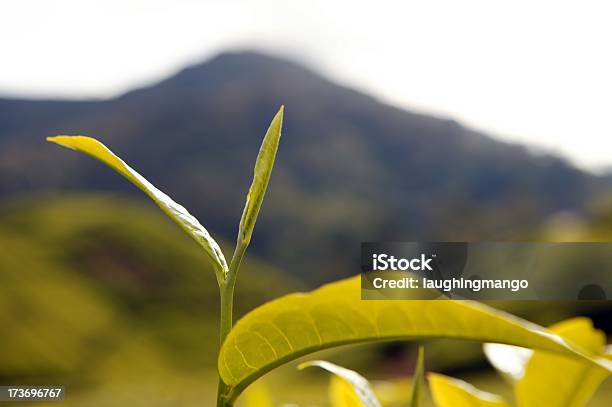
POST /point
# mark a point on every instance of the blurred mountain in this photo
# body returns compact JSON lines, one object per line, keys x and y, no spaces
{"x":350,"y":168}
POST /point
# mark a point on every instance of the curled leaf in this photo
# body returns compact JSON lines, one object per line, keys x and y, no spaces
{"x":451,"y":392}
{"x":574,"y":381}
{"x":342,"y":394}
{"x":508,"y":360}
{"x":360,"y":390}
{"x":173,"y":210}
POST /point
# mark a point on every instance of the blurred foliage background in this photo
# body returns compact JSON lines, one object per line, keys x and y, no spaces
{"x":100,"y":292}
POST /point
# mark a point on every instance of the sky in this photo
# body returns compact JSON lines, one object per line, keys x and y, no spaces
{"x":538,"y":72}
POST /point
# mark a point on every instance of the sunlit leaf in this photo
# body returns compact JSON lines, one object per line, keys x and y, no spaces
{"x":342,"y":394}
{"x":257,"y":395}
{"x":554,"y":381}
{"x":350,"y":390}
{"x":176,"y":212}
{"x":508,"y":360}
{"x":415,"y":398}
{"x":449,"y":392}
{"x":392,"y":392}
{"x":334,"y":315}
{"x":261,"y":176}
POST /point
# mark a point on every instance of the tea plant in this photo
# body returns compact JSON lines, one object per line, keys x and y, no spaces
{"x":539,"y":379}
{"x":300,"y":324}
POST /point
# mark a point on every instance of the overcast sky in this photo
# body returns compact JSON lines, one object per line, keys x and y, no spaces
{"x":533,"y":71}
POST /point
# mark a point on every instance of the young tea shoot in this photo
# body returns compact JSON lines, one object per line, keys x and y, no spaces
{"x":300,"y":324}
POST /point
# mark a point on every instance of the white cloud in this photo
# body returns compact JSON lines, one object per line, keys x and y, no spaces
{"x":529,"y":71}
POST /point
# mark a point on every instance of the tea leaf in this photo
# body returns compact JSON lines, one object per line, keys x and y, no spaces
{"x":261,"y":176}
{"x":574,"y":381}
{"x":351,"y":389}
{"x":415,"y":398}
{"x":450,"y":392}
{"x":510,"y":361}
{"x":392,"y":392}
{"x":257,"y":395}
{"x":342,"y":394}
{"x":333,"y":315}
{"x":176,"y":212}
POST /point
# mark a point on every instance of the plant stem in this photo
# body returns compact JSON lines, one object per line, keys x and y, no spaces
{"x":225,"y":326}
{"x":226,"y":311}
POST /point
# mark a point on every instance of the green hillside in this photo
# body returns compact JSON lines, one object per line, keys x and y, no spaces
{"x":108,"y":296}
{"x":86,"y":279}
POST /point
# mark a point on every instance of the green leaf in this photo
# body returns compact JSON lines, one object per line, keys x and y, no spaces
{"x":574,"y":381}
{"x":342,"y":394}
{"x":392,"y":392}
{"x":415,"y":398}
{"x":449,"y":392}
{"x":334,"y":315}
{"x":261,"y":176}
{"x":257,"y":395}
{"x":176,"y":212}
{"x":359,"y":386}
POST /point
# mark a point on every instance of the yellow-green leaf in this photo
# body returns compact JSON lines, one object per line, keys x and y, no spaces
{"x":342,"y":394}
{"x":450,"y":392}
{"x":176,"y":212}
{"x":257,"y":395}
{"x":554,"y":381}
{"x":334,"y":315}
{"x":261,"y":176}
{"x":415,"y":398}
{"x":354,"y":392}
{"x":393,"y":392}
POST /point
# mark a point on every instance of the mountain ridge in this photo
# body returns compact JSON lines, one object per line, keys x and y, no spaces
{"x":350,"y":168}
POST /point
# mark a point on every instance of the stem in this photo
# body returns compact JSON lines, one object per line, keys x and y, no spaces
{"x":227,"y":305}
{"x":226,"y":310}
